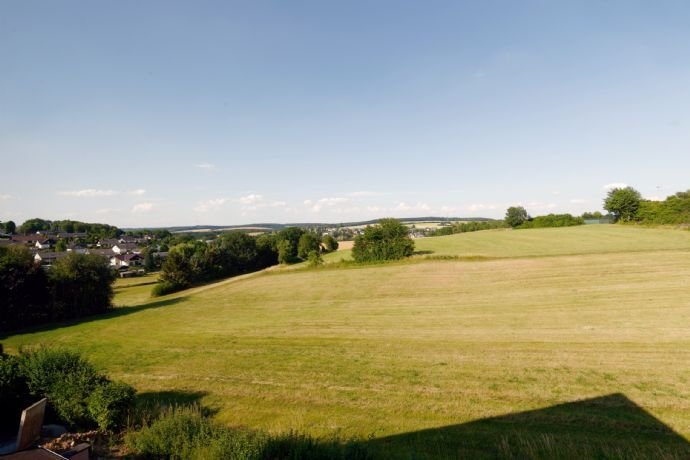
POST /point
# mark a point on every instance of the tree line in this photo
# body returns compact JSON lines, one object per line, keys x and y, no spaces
{"x":627,"y":205}
{"x":77,"y":285}
{"x":193,"y":262}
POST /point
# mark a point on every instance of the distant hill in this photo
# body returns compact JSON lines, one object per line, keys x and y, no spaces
{"x":275,"y":226}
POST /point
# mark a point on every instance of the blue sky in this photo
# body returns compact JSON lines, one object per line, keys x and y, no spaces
{"x":177,"y":113}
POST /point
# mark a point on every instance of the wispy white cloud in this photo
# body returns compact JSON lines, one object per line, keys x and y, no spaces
{"x":252,"y":198}
{"x":578,"y":201}
{"x":210,"y":205}
{"x":402,"y":206}
{"x":205,"y":166}
{"x":318,"y":205}
{"x":143,"y":207}
{"x":615,"y":185}
{"x":137,"y":192}
{"x":539,"y":206}
{"x":89,"y":193}
{"x":5,"y":197}
{"x":364,"y":193}
{"x":106,"y":211}
{"x":481,"y":207}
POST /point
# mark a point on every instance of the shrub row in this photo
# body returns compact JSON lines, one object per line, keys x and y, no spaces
{"x":75,"y":286}
{"x":185,"y":433}
{"x":78,"y":395}
{"x":464,"y":227}
{"x":553,"y":220}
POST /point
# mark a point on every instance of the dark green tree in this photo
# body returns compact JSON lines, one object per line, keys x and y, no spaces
{"x":24,"y":298}
{"x":61,"y":245}
{"x":329,"y":243}
{"x":286,"y":252}
{"x":10,"y":227}
{"x":149,"y":261}
{"x":623,"y":203}
{"x":389,"y":240}
{"x":80,"y":284}
{"x":34,"y":225}
{"x":516,"y":216}
{"x":308,"y":242}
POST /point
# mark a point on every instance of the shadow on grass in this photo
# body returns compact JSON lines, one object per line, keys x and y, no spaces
{"x":114,"y":313}
{"x":422,"y":253}
{"x":606,"y":427}
{"x":154,"y":401}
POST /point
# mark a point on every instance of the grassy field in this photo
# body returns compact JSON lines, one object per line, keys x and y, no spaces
{"x":576,"y":337}
{"x":585,"y":239}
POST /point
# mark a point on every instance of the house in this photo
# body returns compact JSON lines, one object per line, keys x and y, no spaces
{"x":25,"y":239}
{"x":107,"y":253}
{"x":78,"y":248}
{"x":48,"y":258}
{"x":107,"y":243}
{"x":126,"y":260}
{"x":123,"y":248}
{"x":45,"y":243}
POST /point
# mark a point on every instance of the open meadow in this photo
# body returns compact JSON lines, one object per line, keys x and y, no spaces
{"x":549,"y":337}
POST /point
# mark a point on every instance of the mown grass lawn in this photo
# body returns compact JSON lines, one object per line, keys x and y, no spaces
{"x":387,"y":351}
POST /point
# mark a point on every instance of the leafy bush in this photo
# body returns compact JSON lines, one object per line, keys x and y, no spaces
{"x":184,"y":433}
{"x":553,"y":220}
{"x":466,"y":227}
{"x":13,"y":392}
{"x":65,"y":378}
{"x":109,"y":404}
{"x":76,"y":392}
{"x":387,"y":241}
{"x":314,"y":259}
{"x":77,"y":285}
{"x":164,"y":288}
{"x":81,"y":284}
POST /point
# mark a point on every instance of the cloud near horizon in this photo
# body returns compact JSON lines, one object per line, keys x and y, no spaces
{"x":94,"y":193}
{"x":615,"y":185}
{"x":143,"y":207}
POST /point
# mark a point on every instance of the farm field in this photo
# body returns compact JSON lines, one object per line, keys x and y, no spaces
{"x":571,"y":337}
{"x":585,"y":239}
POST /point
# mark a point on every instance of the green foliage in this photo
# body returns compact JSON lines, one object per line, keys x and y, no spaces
{"x":194,"y":262}
{"x":623,"y":203}
{"x":185,"y":433}
{"x":553,"y":220}
{"x":314,"y":258}
{"x":286,"y":252}
{"x":9,"y":227}
{"x":34,"y":225}
{"x":65,"y":379}
{"x":61,"y":245}
{"x":24,"y":296}
{"x":330,"y":244}
{"x":13,"y":392}
{"x":389,"y":240}
{"x":79,"y":395}
{"x":81,"y":285}
{"x":516,"y":216}
{"x":466,"y":227}
{"x":149,"y":261}
{"x":164,"y":288}
{"x":109,"y":404}
{"x":94,"y":231}
{"x":308,"y":242}
{"x":674,"y":210}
